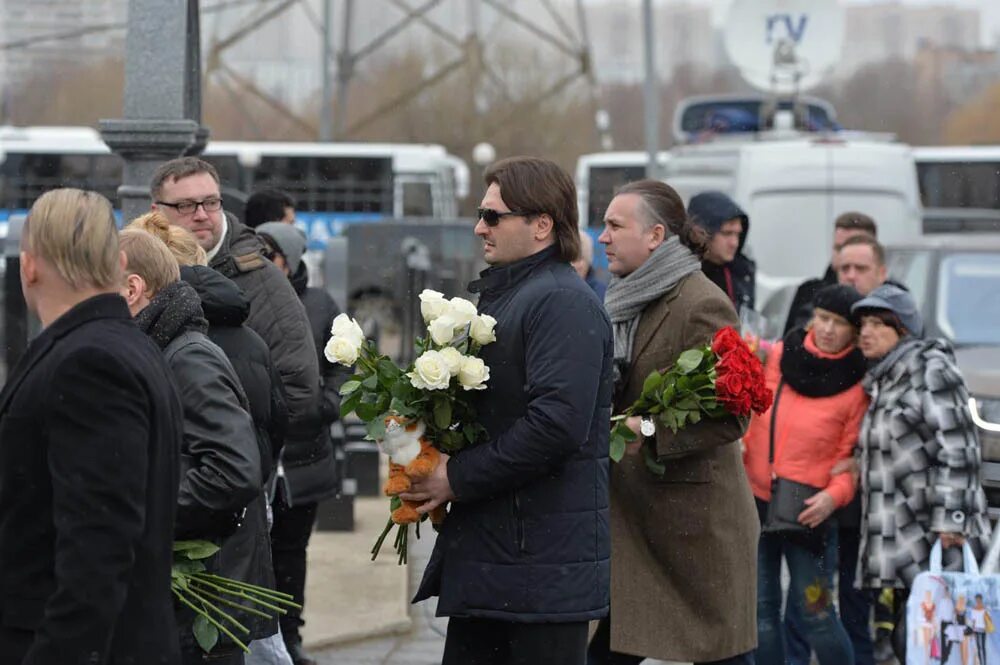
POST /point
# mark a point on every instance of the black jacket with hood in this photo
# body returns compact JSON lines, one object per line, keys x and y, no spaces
{"x":710,"y":210}
{"x":277,"y":315}
{"x":221,"y":495}
{"x":227,"y":308}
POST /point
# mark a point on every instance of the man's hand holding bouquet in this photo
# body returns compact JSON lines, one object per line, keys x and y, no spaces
{"x":418,"y":412}
{"x":724,"y":378}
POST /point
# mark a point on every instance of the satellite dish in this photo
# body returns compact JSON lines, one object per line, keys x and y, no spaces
{"x":784,"y":46}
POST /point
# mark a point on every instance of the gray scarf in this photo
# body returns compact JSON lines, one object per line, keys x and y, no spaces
{"x":628,"y":296}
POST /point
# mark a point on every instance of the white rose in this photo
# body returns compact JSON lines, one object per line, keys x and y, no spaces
{"x":346,"y":327}
{"x":482,"y":329}
{"x":462,"y":311}
{"x":341,"y":350}
{"x":432,"y":305}
{"x":454,"y":358}
{"x":442,"y":329}
{"x":430,"y":372}
{"x":474,"y":373}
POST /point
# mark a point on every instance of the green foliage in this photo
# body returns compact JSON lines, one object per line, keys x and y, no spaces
{"x":207,"y":594}
{"x":205,"y":633}
{"x":682,"y":395}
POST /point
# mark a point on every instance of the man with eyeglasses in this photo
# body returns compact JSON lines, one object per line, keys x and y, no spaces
{"x":187,"y":192}
{"x":521,"y":564}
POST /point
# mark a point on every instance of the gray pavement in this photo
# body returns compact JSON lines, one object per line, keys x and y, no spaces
{"x":422,"y":644}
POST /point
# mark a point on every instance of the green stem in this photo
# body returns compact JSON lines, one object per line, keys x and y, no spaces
{"x":259,"y":590}
{"x":206,"y":603}
{"x":243,"y":594}
{"x":381,"y":538}
{"x":202,"y":612}
{"x":248,"y":610}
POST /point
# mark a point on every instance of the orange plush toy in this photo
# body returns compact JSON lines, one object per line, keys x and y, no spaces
{"x":411,"y":457}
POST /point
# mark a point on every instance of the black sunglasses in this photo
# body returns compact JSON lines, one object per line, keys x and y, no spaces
{"x":493,"y":217}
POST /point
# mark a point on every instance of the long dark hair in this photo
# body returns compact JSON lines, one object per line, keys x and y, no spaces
{"x":661,"y":204}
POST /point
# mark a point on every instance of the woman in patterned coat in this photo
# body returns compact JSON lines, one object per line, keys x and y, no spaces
{"x":920,"y":455}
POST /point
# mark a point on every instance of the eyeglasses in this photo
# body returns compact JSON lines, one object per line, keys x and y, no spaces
{"x":493,"y":217}
{"x":188,"y":207}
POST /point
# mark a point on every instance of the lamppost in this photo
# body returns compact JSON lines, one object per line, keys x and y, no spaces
{"x":162,"y":101}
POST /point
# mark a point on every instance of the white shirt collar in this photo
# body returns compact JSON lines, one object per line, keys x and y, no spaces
{"x":222,"y":237}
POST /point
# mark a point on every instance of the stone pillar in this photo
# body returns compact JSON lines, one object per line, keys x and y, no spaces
{"x":162,"y":105}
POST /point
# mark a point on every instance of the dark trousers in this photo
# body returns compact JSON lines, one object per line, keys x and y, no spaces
{"x":14,"y":644}
{"x":855,"y":607}
{"x":493,"y":642}
{"x":600,"y":652}
{"x":289,"y":540}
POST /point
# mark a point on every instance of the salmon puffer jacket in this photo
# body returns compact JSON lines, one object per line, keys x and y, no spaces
{"x":811,"y":433}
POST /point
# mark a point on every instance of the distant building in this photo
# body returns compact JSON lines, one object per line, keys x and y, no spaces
{"x":892,"y":30}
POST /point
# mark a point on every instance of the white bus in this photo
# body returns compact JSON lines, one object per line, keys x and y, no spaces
{"x":794,"y":189}
{"x":333,"y":183}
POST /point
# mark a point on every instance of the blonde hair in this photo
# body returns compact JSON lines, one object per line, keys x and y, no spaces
{"x":149,"y":258}
{"x":75,"y":232}
{"x":181,"y":242}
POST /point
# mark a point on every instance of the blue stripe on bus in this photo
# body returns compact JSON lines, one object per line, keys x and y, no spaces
{"x":319,"y":227}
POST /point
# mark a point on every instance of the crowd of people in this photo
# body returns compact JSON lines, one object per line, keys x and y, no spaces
{"x":178,"y":390}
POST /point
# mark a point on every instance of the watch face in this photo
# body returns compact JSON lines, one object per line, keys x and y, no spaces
{"x":647,"y":427}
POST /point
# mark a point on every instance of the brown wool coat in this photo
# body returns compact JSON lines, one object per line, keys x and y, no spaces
{"x":683,"y":547}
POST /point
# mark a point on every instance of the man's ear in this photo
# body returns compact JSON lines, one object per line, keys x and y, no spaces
{"x":135,"y":287}
{"x":543,"y":227}
{"x":29,"y":267}
{"x":656,"y":236}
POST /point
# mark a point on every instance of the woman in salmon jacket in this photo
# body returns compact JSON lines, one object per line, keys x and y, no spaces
{"x":814,"y":423}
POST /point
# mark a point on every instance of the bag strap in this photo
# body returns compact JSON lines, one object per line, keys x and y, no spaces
{"x":968,"y":559}
{"x":774,"y":419}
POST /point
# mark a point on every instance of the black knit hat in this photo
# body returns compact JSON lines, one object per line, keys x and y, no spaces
{"x":837,"y":298}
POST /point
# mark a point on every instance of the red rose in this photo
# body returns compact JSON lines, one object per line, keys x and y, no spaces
{"x":726,"y":340}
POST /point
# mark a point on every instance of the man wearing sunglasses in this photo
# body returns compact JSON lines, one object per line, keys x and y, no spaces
{"x":187,"y":192}
{"x":521,"y":563}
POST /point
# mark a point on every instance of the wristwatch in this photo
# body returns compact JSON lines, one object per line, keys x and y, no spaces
{"x":646,"y":426}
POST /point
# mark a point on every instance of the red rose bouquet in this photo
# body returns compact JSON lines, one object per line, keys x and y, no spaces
{"x":715,"y":381}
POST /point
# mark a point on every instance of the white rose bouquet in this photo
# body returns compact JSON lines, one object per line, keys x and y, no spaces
{"x":417,"y":412}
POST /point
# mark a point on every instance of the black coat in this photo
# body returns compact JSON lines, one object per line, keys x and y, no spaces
{"x":310,"y":472}
{"x":221,"y":495}
{"x":322,"y":309}
{"x":527,"y":538}
{"x":801,"y":309}
{"x":226,"y":309}
{"x":90,"y":432}
{"x":738,"y":278}
{"x":277,"y":315}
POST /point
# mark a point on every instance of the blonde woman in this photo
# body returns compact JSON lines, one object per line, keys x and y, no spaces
{"x":221,"y":489}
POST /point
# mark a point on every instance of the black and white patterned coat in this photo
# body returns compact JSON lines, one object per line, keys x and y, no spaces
{"x":920,"y":464}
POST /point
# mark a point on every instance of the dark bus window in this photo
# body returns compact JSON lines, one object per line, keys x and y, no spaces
{"x":229,"y":169}
{"x":25,"y":177}
{"x":724,"y":116}
{"x":959,"y":184}
{"x":604,"y":180}
{"x":106,"y":176}
{"x":418,"y":200}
